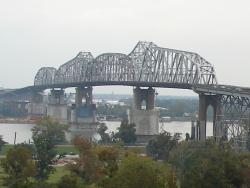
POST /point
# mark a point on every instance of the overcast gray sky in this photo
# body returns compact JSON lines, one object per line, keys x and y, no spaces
{"x":37,"y":33}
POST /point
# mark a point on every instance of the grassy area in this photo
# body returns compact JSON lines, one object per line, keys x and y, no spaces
{"x":66,"y":149}
{"x":136,"y":149}
{"x":58,"y":173}
{"x":2,"y":177}
{"x":53,"y":178}
{"x":60,"y":149}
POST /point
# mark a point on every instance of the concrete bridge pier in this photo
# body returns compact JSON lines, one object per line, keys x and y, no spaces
{"x":146,"y":120}
{"x":37,"y":107}
{"x":85,"y":112}
{"x":57,"y":106}
{"x":84,"y":93}
{"x":215,"y":102}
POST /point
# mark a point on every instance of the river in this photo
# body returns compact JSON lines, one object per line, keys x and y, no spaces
{"x":23,"y":131}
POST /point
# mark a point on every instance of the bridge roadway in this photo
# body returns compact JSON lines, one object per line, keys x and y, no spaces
{"x":205,"y":89}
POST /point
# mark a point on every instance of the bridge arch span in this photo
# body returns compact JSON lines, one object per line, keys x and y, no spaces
{"x":114,"y":67}
{"x":45,"y":76}
{"x":75,"y":70}
{"x":146,"y":64}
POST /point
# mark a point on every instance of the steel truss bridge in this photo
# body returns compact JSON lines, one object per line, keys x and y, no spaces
{"x":149,"y":65}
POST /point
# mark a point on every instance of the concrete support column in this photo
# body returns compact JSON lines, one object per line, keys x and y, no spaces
{"x":147,"y":120}
{"x":218,"y":128}
{"x":204,"y":102}
{"x":36,"y":108}
{"x":56,"y":97}
{"x":85,"y":113}
{"x":37,"y":97}
{"x":57,"y":106}
{"x":202,"y":116}
{"x":83,"y":92}
{"x":137,"y":98}
{"x":144,"y":94}
{"x":150,"y":102}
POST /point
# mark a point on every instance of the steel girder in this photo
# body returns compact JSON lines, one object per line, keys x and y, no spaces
{"x":147,"y":63}
{"x":76,"y":70}
{"x":235,"y":118}
{"x":45,"y":76}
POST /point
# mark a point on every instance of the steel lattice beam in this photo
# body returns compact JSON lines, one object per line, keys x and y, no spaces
{"x":235,"y":117}
{"x":147,"y":63}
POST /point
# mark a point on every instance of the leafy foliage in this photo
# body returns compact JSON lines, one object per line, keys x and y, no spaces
{"x":208,"y":165}
{"x":126,"y":132}
{"x":70,"y":181}
{"x":19,"y":165}
{"x":2,"y":142}
{"x":135,"y":171}
{"x":105,"y":137}
{"x":95,"y":164}
{"x":162,"y":144}
{"x":87,"y":166}
{"x":108,"y":156}
{"x":46,"y":134}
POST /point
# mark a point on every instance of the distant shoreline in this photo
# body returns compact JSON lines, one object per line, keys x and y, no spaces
{"x":17,"y":121}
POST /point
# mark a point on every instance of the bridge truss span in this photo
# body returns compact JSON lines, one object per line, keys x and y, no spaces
{"x":45,"y":76}
{"x":236,"y":117}
{"x":147,"y":63}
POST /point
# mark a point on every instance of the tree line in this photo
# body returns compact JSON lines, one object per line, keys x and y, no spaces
{"x":167,"y":162}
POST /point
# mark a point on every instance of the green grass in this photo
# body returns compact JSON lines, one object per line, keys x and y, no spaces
{"x":136,"y":149}
{"x":53,"y":178}
{"x":3,"y":176}
{"x":63,"y":149}
{"x":58,"y":173}
{"x":66,"y":149}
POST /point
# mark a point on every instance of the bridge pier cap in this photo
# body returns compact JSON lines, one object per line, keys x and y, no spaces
{"x":147,"y":95}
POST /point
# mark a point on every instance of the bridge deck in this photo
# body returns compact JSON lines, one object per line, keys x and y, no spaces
{"x":223,"y":90}
{"x":206,"y":89}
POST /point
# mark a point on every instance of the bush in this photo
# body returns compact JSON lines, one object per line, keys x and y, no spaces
{"x":69,"y":181}
{"x":19,"y":165}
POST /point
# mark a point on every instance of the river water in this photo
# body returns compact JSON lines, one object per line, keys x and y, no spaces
{"x":23,"y":131}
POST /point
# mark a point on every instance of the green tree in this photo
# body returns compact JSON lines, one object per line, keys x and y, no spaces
{"x":160,"y":146}
{"x":126,"y":132}
{"x":70,"y":181}
{"x":136,"y":171}
{"x":2,"y":142}
{"x":19,"y":165}
{"x":46,"y":134}
{"x":87,"y":165}
{"x":108,"y":156}
{"x":208,"y":165}
{"x":105,"y":138}
{"x":95,"y":163}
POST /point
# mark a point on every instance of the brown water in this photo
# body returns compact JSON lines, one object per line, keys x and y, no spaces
{"x":23,"y":131}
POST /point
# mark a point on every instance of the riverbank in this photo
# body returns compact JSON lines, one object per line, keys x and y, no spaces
{"x":60,"y":149}
{"x":16,"y":121}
